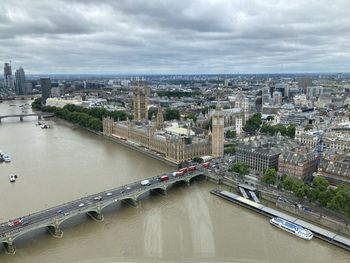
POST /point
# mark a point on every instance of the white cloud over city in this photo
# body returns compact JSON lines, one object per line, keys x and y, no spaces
{"x":199,"y":36}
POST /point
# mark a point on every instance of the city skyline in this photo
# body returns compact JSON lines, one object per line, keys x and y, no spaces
{"x":156,"y":37}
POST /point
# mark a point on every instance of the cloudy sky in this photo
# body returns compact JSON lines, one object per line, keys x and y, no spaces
{"x":179,"y":36}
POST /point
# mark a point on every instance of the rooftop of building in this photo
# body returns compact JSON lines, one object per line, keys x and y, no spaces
{"x":267,"y":145}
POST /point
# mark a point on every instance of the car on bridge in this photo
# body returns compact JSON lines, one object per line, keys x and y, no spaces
{"x":81,"y":204}
{"x":15,"y":222}
{"x":164,"y":178}
{"x":145,"y":182}
{"x":98,"y":198}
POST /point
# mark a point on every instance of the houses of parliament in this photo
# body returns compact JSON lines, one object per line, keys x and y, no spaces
{"x":176,"y":144}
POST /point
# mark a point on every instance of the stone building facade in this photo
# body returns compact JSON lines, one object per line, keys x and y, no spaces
{"x":262,"y":152}
{"x":336,"y":169}
{"x":331,"y":140}
{"x":175,"y":149}
{"x":300,"y":163}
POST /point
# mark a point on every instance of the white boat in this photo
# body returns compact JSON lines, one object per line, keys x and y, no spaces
{"x":12,"y":178}
{"x":6,"y":157}
{"x":291,"y":228}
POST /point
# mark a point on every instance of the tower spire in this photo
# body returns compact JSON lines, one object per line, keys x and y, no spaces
{"x":218,"y":105}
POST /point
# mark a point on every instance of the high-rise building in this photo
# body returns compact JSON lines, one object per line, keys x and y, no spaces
{"x":8,"y":78}
{"x":140,"y":104}
{"x":266,"y":96}
{"x":277,"y":97}
{"x":20,"y":80}
{"x":218,"y":132}
{"x":45,"y":84}
{"x":28,"y":87}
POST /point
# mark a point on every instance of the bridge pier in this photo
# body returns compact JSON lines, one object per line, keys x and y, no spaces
{"x":132,"y":202}
{"x":39,"y":117}
{"x":21,"y":118}
{"x":97,"y":216}
{"x":55,"y":231}
{"x":162,"y":191}
{"x":9,"y":246}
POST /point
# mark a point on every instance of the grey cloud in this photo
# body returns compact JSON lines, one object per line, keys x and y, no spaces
{"x":176,"y":36}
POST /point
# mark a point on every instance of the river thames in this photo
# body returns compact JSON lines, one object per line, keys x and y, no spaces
{"x":189,"y":224}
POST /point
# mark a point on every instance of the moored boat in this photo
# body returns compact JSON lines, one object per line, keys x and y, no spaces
{"x":291,"y":228}
{"x":5,"y":157}
{"x":12,"y":178}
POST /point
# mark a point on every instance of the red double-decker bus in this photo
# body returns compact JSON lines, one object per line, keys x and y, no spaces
{"x":205,"y":165}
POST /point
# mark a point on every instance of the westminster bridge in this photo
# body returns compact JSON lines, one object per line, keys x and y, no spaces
{"x":91,"y":205}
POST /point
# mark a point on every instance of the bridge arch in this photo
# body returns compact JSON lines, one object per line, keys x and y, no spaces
{"x":195,"y":176}
{"x":26,"y":231}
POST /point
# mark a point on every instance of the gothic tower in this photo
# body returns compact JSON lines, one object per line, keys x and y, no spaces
{"x":160,"y":119}
{"x":140,"y":104}
{"x":217,"y":138}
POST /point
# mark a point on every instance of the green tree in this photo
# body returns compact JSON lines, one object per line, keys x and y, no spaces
{"x":291,"y":131}
{"x":253,"y":123}
{"x":191,"y":116}
{"x":230,"y":134}
{"x":171,"y":114}
{"x":341,"y":200}
{"x":152,"y":112}
{"x":269,"y":177}
{"x":320,"y":183}
{"x":230,"y":150}
{"x":240,"y":168}
{"x":37,"y":103}
{"x":197,"y":160}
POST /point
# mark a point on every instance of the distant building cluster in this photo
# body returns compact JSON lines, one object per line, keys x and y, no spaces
{"x":17,"y":83}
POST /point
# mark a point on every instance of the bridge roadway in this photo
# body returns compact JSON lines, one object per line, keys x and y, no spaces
{"x":53,"y":217}
{"x":21,"y":116}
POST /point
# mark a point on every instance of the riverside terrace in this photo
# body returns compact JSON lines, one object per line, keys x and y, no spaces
{"x":92,"y":205}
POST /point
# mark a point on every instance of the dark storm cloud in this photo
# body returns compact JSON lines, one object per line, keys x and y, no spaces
{"x":176,"y":36}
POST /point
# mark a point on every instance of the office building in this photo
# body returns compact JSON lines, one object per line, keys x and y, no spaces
{"x":8,"y":78}
{"x":45,"y":84}
{"x":20,"y":82}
